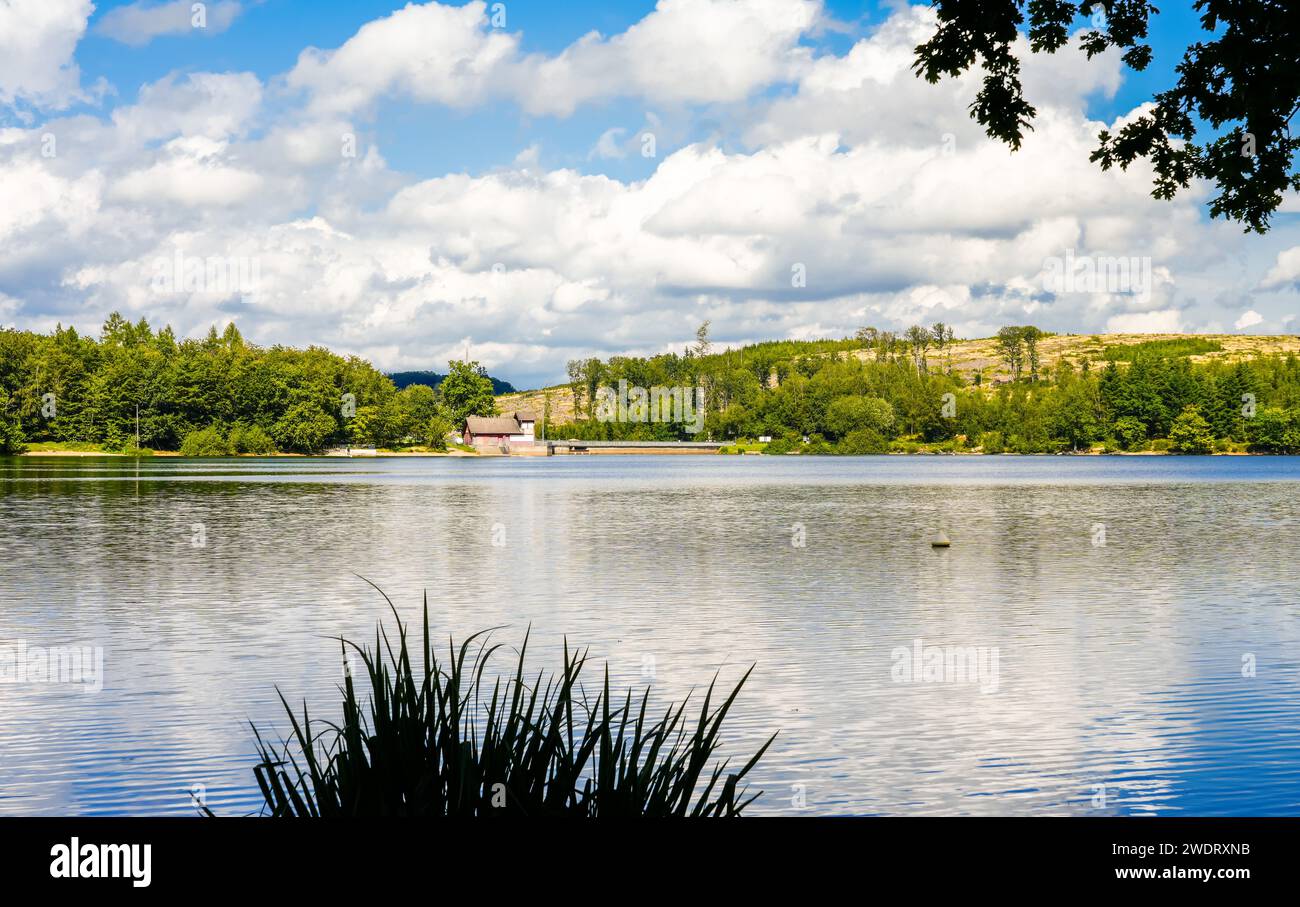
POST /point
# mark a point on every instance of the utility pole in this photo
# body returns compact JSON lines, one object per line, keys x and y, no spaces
{"x":137,"y":428}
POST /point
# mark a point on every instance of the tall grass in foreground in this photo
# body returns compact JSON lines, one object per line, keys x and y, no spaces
{"x":428,"y":741}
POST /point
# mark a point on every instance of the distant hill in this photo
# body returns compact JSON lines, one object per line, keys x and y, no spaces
{"x":433,"y":379}
{"x":981,"y":355}
{"x":969,"y":357}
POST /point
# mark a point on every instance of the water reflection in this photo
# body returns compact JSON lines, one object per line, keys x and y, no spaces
{"x":1121,"y":687}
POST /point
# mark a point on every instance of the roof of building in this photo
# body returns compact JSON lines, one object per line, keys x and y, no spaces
{"x":522,"y":416}
{"x":492,"y":425}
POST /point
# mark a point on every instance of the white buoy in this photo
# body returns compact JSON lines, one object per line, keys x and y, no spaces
{"x":940,"y":540}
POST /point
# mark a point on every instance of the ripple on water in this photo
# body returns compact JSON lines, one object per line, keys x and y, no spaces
{"x":1120,"y":684}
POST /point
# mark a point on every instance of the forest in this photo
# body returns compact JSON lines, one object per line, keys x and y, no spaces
{"x":876,"y":392}
{"x":881,"y":392}
{"x":215,"y":396}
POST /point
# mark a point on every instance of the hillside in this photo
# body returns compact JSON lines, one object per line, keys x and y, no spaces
{"x":968,"y":357}
{"x":403,"y":380}
{"x":971,"y":356}
{"x":560,"y":397}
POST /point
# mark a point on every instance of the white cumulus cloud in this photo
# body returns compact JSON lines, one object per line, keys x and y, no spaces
{"x":684,"y":51}
{"x":1248,"y":319}
{"x":37,"y":40}
{"x":1285,"y":271}
{"x":136,"y":24}
{"x":844,"y":167}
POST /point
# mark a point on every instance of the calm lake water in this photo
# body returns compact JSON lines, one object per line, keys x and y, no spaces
{"x":1141,"y":614}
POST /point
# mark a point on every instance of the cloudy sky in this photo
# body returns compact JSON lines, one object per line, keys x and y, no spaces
{"x":540,"y":181}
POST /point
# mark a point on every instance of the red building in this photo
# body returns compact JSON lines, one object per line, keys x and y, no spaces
{"x":505,"y":431}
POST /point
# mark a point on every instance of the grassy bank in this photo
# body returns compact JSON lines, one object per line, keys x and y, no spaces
{"x":959,"y":447}
{"x":954,"y":447}
{"x":83,"y":449}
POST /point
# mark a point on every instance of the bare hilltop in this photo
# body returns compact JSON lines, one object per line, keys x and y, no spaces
{"x":981,"y":357}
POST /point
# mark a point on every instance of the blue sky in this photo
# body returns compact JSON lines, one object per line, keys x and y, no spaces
{"x":501,"y":195}
{"x":416,"y":140}
{"x":267,"y":37}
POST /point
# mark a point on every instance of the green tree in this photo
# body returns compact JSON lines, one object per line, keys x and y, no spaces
{"x":434,"y":432}
{"x":362,"y":426}
{"x":1011,"y":348}
{"x":703,"y":344}
{"x":304,"y":428}
{"x":919,"y":340}
{"x":1075,"y":411}
{"x":991,"y":442}
{"x":943,"y":337}
{"x":11,"y":433}
{"x":1238,"y":82}
{"x":206,"y":442}
{"x":417,"y":405}
{"x":576,"y":384}
{"x":251,"y":439}
{"x":1190,"y":433}
{"x":861,"y":442}
{"x":1031,"y":335}
{"x":1275,"y":430}
{"x":846,"y":415}
{"x":467,"y":391}
{"x":1130,"y":433}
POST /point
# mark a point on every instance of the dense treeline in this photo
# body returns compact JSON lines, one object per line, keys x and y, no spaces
{"x":214,"y":396}
{"x":873,"y":393}
{"x":882,"y":392}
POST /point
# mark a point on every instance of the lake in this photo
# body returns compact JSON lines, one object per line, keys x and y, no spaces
{"x":1132,"y":621}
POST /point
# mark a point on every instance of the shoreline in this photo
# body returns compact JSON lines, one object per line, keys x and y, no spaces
{"x":622,"y":452}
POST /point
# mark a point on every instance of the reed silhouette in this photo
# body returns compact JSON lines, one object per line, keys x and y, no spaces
{"x":429,"y":741}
